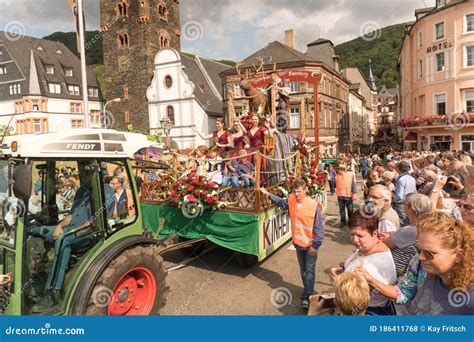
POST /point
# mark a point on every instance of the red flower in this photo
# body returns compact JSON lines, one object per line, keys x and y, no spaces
{"x":198,"y":193}
{"x":213,"y":185}
{"x":205,"y":193}
{"x":191,"y":199}
{"x":309,"y":185}
{"x":205,"y":185}
{"x":215,"y":198}
{"x":190,"y":188}
{"x":208,"y":200}
{"x":201,"y":178}
{"x":196,"y":182}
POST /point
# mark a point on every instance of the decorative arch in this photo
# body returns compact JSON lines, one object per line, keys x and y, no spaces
{"x":163,"y":11}
{"x":164,"y":39}
{"x":121,"y":10}
{"x":123,"y":40}
{"x":170,"y":113}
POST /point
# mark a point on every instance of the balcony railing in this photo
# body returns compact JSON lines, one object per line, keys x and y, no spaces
{"x":438,"y":120}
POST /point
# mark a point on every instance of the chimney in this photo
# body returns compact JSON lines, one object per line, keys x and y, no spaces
{"x":290,"y":38}
{"x":336,"y":59}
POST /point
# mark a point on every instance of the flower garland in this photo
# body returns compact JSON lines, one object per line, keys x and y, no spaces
{"x":315,"y":183}
{"x":195,"y":193}
{"x":299,"y":145}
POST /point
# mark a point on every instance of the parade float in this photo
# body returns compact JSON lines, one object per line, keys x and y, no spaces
{"x":183,"y":202}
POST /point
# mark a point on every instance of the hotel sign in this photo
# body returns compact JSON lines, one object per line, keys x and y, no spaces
{"x":439,"y":47}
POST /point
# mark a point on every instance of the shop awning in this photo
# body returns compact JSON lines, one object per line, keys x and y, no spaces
{"x":411,"y":137}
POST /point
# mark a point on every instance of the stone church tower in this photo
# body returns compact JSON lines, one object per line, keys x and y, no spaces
{"x":133,"y":32}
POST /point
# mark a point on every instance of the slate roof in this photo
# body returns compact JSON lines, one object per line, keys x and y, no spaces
{"x":16,"y":55}
{"x":320,"y":41}
{"x":203,"y":92}
{"x":275,"y":52}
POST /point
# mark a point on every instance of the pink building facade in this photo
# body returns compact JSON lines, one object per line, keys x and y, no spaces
{"x":437,"y":78}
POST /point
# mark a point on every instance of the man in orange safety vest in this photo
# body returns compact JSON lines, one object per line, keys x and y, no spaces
{"x":308,"y":232}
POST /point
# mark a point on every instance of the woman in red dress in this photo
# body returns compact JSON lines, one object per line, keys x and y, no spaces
{"x":257,"y":134}
{"x":239,"y":138}
{"x":222,"y":138}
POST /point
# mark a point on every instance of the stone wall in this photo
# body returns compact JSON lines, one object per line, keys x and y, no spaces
{"x":132,"y":66}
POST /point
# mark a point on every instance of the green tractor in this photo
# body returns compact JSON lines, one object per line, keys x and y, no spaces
{"x":71,"y":243}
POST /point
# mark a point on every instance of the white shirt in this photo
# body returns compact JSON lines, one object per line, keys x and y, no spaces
{"x":380,"y":266}
{"x":405,"y":236}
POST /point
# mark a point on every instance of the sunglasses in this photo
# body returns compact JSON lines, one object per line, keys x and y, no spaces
{"x":428,"y":254}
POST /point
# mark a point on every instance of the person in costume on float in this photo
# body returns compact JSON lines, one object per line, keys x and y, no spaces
{"x":222,"y":137}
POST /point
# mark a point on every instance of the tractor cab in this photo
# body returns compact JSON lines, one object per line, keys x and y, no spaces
{"x":64,"y":199}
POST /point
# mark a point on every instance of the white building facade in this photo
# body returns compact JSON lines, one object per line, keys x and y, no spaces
{"x":40,"y":87}
{"x":184,"y":90}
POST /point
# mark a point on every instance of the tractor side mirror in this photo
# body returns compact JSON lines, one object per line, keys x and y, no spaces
{"x":22,"y":182}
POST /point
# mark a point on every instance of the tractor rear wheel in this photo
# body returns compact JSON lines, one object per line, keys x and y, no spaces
{"x":133,"y":284}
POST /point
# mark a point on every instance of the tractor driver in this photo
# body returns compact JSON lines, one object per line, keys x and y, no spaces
{"x":80,"y":216}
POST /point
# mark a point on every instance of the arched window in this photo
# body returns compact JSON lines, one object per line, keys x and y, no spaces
{"x":122,"y":9}
{"x":123,"y":41}
{"x":163,"y":11}
{"x":170,"y":113}
{"x":164,"y":42}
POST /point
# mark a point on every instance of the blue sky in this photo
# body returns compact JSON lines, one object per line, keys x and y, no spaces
{"x":226,"y":29}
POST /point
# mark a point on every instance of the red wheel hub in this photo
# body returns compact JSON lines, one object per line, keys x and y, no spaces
{"x":134,"y":294}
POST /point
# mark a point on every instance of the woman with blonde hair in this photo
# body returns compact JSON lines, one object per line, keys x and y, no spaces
{"x":440,"y":278}
{"x":351,"y":297}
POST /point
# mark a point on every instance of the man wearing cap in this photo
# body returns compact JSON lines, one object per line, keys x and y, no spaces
{"x":346,"y":191}
{"x":404,"y":185}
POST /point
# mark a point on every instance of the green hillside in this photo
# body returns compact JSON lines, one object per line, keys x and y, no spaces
{"x":383,"y":50}
{"x":93,"y":44}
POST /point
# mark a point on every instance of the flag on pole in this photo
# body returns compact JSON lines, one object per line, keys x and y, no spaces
{"x":75,"y":21}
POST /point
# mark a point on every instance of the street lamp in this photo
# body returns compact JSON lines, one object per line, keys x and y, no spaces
{"x":166,"y":125}
{"x":104,"y":117}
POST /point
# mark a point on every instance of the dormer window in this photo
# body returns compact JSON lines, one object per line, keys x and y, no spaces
{"x":59,"y":52}
{"x":73,"y":90}
{"x":68,"y":72}
{"x":267,"y":59}
{"x":3,"y":69}
{"x":93,"y":92}
{"x":49,"y":69}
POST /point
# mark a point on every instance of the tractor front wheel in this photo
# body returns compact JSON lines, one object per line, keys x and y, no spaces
{"x":133,"y":284}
